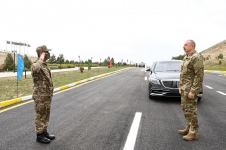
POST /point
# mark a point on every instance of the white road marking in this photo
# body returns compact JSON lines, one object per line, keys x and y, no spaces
{"x":132,"y":136}
{"x":145,"y":78}
{"x":220,"y":75}
{"x":209,"y":87}
{"x":222,"y":93}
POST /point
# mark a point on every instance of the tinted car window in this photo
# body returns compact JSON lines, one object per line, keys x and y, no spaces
{"x":168,"y":66}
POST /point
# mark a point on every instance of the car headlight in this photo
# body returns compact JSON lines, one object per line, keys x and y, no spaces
{"x":155,"y":81}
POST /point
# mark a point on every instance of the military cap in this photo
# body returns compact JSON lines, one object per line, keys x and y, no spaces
{"x":41,"y":49}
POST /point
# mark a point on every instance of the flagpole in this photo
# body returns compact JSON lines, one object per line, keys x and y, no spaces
{"x":17,"y":83}
{"x":18,"y":48}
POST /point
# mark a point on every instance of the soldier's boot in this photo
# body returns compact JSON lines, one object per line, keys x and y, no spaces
{"x":192,"y":135}
{"x":42,"y":139}
{"x":49,"y":136}
{"x":184,"y":131}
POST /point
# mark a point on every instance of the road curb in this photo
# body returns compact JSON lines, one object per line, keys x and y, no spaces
{"x":216,"y":71}
{"x":29,"y":97}
{"x":10,"y":102}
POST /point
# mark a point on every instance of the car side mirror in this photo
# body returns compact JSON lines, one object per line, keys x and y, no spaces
{"x":148,"y":69}
{"x":150,"y":72}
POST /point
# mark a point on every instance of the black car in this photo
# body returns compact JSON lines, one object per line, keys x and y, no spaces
{"x":164,"y":79}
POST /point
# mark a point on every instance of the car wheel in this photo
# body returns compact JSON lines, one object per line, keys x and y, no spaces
{"x":150,"y":97}
{"x":149,"y":92}
{"x":199,"y":98}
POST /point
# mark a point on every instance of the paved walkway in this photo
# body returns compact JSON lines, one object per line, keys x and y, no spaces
{"x":13,"y":74}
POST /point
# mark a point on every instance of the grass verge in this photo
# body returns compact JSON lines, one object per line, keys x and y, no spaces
{"x":8,"y":85}
{"x":221,"y":67}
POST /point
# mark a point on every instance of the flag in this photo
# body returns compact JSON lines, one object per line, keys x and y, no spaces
{"x":20,"y":66}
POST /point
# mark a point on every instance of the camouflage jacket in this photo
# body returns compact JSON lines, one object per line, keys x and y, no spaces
{"x":192,"y":72}
{"x":42,"y":79}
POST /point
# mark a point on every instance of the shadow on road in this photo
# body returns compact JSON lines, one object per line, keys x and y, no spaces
{"x":165,"y":100}
{"x":174,"y":100}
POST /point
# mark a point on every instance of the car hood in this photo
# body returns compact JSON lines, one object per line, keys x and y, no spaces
{"x":167,"y":75}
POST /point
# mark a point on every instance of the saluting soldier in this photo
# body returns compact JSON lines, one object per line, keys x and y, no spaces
{"x":42,"y":94}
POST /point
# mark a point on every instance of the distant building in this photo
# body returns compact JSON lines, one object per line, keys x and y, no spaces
{"x":3,"y":55}
{"x":2,"y":59}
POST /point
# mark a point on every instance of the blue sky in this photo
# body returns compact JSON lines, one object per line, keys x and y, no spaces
{"x":137,"y":30}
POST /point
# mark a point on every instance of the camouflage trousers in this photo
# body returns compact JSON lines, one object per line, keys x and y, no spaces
{"x":189,"y":107}
{"x":42,"y":109}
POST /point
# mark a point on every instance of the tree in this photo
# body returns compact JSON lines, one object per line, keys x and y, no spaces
{"x":9,"y":63}
{"x":105,"y":62}
{"x":220,"y":62}
{"x":72,"y":62}
{"x":220,"y":56}
{"x":52,"y":59}
{"x":27,"y":62}
{"x":67,"y":62}
{"x":113,"y":61}
{"x":180,"y":57}
{"x":89,"y":64}
{"x":60,"y":59}
{"x":108,"y":58}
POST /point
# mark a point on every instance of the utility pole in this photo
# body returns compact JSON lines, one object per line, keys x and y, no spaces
{"x":79,"y":61}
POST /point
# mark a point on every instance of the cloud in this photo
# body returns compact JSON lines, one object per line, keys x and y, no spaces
{"x":144,"y":30}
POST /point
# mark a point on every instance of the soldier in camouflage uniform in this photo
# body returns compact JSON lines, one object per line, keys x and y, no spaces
{"x":191,"y":79}
{"x":42,"y":94}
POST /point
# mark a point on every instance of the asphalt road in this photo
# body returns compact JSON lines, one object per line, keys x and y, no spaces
{"x":99,"y":115}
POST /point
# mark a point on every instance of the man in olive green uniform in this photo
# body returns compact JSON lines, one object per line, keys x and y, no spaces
{"x":191,"y":79}
{"x":42,"y":94}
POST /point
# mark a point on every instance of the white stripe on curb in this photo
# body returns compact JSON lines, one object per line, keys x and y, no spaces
{"x":132,"y":136}
{"x":209,"y":87}
{"x":25,"y":98}
{"x":72,"y":84}
{"x":56,"y":89}
{"x":222,"y":93}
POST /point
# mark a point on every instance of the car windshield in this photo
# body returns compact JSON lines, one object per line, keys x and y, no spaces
{"x":169,"y":66}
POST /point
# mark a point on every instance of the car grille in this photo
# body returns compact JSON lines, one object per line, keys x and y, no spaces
{"x":171,"y":84}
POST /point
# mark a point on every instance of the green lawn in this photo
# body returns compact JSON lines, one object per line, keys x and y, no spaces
{"x":8,"y":88}
{"x":221,"y":67}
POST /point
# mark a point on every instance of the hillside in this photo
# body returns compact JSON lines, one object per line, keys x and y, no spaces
{"x":212,"y":54}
